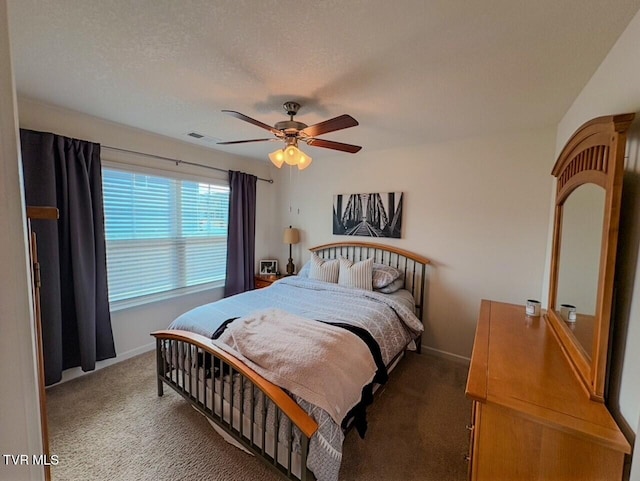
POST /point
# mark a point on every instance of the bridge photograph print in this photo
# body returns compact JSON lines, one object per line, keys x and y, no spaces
{"x":370,"y":215}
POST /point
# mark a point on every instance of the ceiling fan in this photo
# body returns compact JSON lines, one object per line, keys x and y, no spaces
{"x":291,"y":132}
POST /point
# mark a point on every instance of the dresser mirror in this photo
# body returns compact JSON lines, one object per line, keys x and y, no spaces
{"x":579,"y":261}
{"x":589,"y":173}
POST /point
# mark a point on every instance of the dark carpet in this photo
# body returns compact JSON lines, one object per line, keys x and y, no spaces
{"x":110,"y":425}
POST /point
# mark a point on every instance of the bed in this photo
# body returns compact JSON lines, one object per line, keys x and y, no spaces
{"x":296,"y":428}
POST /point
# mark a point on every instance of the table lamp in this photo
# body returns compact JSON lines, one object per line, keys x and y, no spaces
{"x":291,"y":236}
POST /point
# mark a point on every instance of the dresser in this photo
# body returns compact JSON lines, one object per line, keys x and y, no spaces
{"x":532,"y":419}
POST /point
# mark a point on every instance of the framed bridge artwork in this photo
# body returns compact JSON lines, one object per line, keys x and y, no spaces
{"x":370,"y":215}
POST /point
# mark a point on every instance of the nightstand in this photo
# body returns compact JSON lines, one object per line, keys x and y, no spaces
{"x":266,"y":281}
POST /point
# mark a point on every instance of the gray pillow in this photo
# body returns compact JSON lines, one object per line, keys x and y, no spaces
{"x":393,"y":287}
{"x":384,"y":275}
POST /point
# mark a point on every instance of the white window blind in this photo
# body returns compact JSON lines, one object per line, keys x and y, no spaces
{"x":162,"y":233}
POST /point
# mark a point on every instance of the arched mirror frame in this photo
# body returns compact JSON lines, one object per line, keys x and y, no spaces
{"x":594,"y":154}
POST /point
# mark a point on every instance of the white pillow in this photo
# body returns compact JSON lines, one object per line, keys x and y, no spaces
{"x":358,"y":275}
{"x":384,"y":275}
{"x":324,"y":269}
{"x":304,"y":272}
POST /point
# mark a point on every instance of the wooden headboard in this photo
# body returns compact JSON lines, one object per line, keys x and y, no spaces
{"x":413,"y":266}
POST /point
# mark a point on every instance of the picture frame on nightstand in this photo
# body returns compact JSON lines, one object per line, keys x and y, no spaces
{"x":268,"y":267}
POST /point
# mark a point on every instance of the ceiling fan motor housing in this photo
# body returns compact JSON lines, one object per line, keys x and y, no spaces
{"x":290,"y":126}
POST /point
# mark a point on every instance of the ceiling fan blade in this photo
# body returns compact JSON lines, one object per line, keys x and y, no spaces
{"x":330,"y":144}
{"x":337,"y":123}
{"x":245,"y":141}
{"x":240,"y":116}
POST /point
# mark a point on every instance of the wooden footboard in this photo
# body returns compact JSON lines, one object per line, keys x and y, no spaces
{"x":237,"y":400}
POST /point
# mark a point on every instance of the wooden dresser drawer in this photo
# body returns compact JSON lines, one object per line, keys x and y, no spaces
{"x":472,"y":438}
{"x":532,"y":420}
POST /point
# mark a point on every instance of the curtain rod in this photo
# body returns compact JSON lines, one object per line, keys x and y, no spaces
{"x":176,"y":161}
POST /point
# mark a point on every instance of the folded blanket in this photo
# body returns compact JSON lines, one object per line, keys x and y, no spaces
{"x":323,"y":364}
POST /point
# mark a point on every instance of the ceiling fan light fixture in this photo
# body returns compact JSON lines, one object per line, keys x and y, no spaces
{"x":292,"y":155}
{"x":277,"y":158}
{"x":304,"y":162}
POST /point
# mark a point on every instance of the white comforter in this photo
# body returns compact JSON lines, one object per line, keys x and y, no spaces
{"x":276,"y":344}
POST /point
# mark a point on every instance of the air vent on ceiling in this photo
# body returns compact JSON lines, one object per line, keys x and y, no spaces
{"x":203,"y":137}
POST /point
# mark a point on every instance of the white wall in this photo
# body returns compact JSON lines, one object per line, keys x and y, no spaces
{"x":19,"y":402}
{"x":635,"y":473}
{"x":131,"y":327}
{"x":615,"y":88}
{"x":478,"y":208}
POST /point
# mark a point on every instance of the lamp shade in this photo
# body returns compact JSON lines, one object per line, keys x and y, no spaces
{"x":292,"y":155}
{"x":291,"y":236}
{"x":304,"y":161}
{"x":277,"y":158}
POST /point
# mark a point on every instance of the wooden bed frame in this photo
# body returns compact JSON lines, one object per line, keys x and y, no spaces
{"x":175,"y":348}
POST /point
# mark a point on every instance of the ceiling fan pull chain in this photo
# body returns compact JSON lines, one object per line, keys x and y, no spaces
{"x":290,"y":186}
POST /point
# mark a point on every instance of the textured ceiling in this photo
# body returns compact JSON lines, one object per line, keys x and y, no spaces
{"x":410,"y":71}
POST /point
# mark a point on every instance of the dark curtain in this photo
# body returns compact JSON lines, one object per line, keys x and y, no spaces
{"x":241,"y":241}
{"x":76,"y":322}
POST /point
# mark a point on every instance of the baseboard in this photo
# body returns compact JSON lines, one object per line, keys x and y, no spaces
{"x":447,"y":355}
{"x":76,"y":372}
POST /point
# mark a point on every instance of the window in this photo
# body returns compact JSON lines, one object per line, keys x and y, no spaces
{"x":162,"y":233}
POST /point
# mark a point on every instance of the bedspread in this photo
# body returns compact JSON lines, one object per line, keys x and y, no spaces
{"x":390,"y":322}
